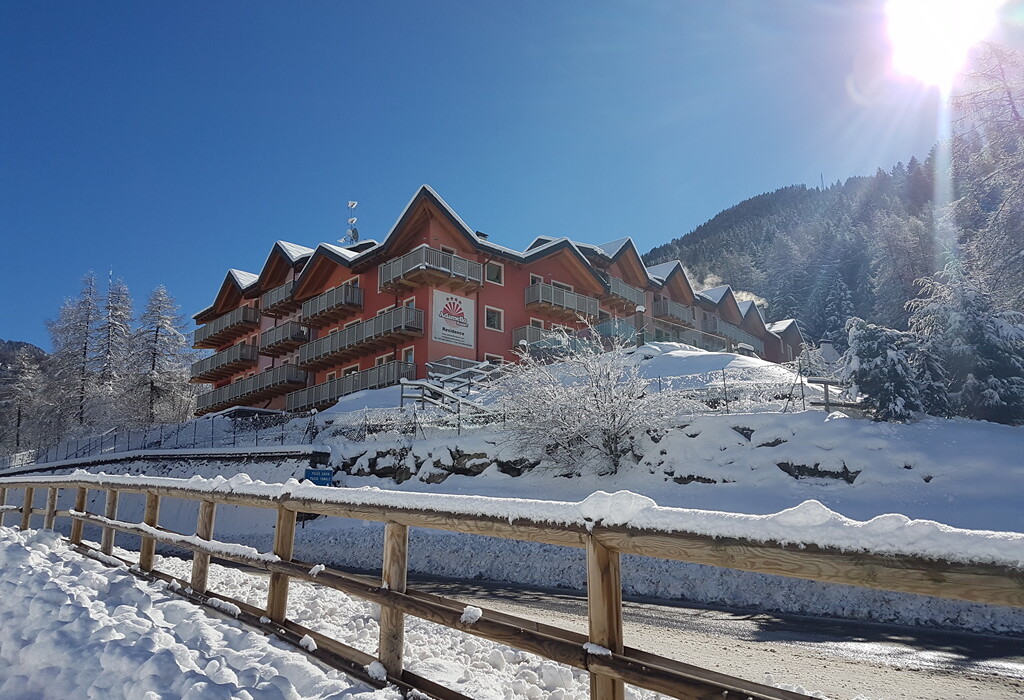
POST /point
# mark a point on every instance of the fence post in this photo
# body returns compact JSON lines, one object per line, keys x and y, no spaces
{"x":51,"y":508}
{"x":76,"y":524}
{"x":393,"y":576}
{"x":3,"y":502}
{"x":284,"y":545}
{"x":201,"y":560}
{"x":26,"y":508}
{"x":604,"y":604}
{"x":110,"y":513}
{"x":151,"y":518}
{"x":725,"y":390}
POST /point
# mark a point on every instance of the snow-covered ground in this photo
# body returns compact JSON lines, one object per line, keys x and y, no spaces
{"x":74,"y":627}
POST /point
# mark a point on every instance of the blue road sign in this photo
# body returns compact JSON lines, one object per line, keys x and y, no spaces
{"x":320,"y":477}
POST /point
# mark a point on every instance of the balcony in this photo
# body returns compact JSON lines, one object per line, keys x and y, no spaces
{"x":283,"y":338}
{"x":278,"y":301}
{"x":672,"y":311}
{"x":265,"y":385}
{"x":226,"y":328}
{"x":224,"y":363}
{"x":675,"y":333}
{"x":741,"y":336}
{"x":623,"y":297}
{"x":378,"y":332}
{"x":529,"y":335}
{"x":333,"y":305}
{"x":560,"y":302}
{"x":327,"y":393}
{"x":426,"y":265}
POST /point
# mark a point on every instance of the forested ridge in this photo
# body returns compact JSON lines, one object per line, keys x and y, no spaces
{"x":858,"y":248}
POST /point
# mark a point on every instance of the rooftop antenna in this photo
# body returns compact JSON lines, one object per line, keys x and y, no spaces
{"x":352,"y":235}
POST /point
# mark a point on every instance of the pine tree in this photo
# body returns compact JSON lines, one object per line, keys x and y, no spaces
{"x":113,"y":353}
{"x":982,"y":350}
{"x":931,"y":379}
{"x":161,"y":360}
{"x":877,"y":366}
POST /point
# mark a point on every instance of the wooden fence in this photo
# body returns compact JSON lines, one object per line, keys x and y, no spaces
{"x":610,"y":663}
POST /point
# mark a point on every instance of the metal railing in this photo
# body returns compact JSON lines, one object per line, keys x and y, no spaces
{"x":241,"y":354}
{"x":673,"y":309}
{"x":290,"y":331}
{"x":242,"y":316}
{"x":330,"y":391}
{"x":542,"y":293}
{"x":403,"y":318}
{"x":269,"y":379}
{"x":347,"y":295}
{"x":625,"y":291}
{"x":276,"y":296}
{"x":426,"y":258}
{"x":741,"y":336}
{"x":529,"y":334}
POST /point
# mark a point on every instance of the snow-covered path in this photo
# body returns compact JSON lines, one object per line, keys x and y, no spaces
{"x":74,"y":628}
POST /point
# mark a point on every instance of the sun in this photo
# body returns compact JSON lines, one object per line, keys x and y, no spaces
{"x":931,"y":38}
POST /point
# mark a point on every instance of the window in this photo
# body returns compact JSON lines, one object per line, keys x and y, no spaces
{"x":331,"y":376}
{"x":495,"y":273}
{"x":535,"y":279}
{"x":493,"y":359}
{"x":408,"y":355}
{"x":385,"y":310}
{"x":537,"y":323}
{"x":352,"y":323}
{"x":384,"y":359}
{"x":409,"y":303}
{"x":494,"y":319}
{"x":352,"y":369}
{"x":333,"y":330}
{"x":354,"y":282}
{"x":446,"y":249}
{"x":561,"y":285}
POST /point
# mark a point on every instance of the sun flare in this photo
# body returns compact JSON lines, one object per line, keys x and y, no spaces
{"x":931,"y":38}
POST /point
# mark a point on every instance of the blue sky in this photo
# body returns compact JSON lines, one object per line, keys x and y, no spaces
{"x":171,"y":141}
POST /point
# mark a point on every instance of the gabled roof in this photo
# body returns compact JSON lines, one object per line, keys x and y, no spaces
{"x":752,"y":315}
{"x":780,"y":326}
{"x":293,"y":251}
{"x":715,"y":294}
{"x":236,"y":282}
{"x":664,"y":273}
{"x":661,"y":271}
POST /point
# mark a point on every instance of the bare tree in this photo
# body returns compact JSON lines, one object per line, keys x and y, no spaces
{"x":580,"y":401}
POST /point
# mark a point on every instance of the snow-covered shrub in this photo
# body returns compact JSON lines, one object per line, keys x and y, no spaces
{"x":580,"y":403}
{"x":878,"y":368}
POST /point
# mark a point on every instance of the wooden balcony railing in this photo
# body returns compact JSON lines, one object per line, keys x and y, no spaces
{"x":267,"y":384}
{"x":362,"y":337}
{"x":329,"y":392}
{"x":741,"y":336}
{"x":284,"y":338}
{"x":529,"y":334}
{"x":335,"y":304}
{"x":278,"y":301}
{"x":426,"y":265}
{"x":560,"y":302}
{"x":227,"y":327}
{"x":602,"y":652}
{"x":224,"y":363}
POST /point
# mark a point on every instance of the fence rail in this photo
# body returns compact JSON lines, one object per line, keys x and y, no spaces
{"x":610,"y":666}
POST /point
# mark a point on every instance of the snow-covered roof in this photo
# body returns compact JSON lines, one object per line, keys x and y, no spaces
{"x":242,"y":278}
{"x":294,"y":251}
{"x":612,"y":248}
{"x":715,"y":294}
{"x":661,"y":271}
{"x":781,"y":326}
{"x":339,"y":251}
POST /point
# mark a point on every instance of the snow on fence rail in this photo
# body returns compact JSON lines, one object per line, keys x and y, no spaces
{"x":890,"y":552}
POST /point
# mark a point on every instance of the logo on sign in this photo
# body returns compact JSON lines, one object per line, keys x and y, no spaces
{"x":452,"y":313}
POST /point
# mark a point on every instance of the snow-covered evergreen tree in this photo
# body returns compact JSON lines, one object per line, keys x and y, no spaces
{"x":113,"y":353}
{"x":22,"y":399}
{"x":982,"y":350}
{"x":71,"y":367}
{"x":931,"y":379}
{"x":161,"y":361}
{"x":877,"y":365}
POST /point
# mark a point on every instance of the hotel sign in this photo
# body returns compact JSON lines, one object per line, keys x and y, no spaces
{"x":453,"y":320}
